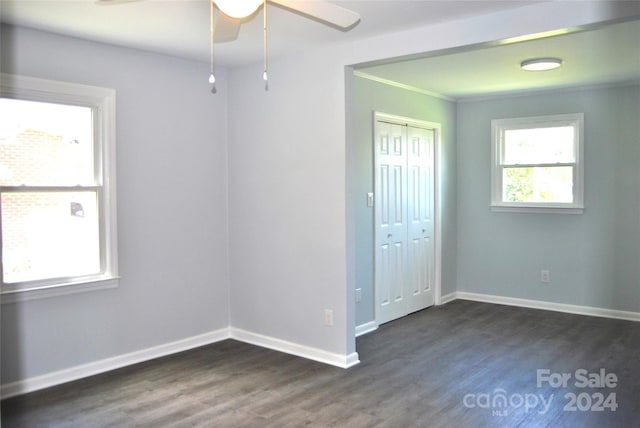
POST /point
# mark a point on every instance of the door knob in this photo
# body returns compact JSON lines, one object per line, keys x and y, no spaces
{"x":389,"y":235}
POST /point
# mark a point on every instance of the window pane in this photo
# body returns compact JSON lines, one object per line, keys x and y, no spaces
{"x":539,"y":184}
{"x":539,"y":145}
{"x":45,"y":144}
{"x":49,"y":235}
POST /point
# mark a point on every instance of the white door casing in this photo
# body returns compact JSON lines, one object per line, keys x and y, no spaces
{"x":404,"y":187}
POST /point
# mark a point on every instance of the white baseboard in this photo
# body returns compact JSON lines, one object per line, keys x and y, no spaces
{"x":101,"y":366}
{"x":448,"y":298}
{"x":338,"y":360}
{"x":365,"y":328}
{"x":370,"y":326}
{"x":549,"y":306}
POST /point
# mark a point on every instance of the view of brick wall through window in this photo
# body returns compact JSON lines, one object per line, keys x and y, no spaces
{"x":31,"y":227}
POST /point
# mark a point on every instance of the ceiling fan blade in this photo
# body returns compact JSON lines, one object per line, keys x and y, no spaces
{"x":324,"y":11}
{"x":227,"y":28}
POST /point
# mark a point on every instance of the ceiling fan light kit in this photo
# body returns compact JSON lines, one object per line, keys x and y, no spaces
{"x":541,"y":64}
{"x":224,"y":26}
{"x":238,"y":8}
{"x":321,"y":10}
{"x":213,"y":4}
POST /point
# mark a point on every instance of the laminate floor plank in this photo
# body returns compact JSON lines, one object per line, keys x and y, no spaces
{"x":464,"y":364}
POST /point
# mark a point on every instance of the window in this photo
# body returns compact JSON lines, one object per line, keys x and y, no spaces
{"x":57,"y":188}
{"x":538,"y":164}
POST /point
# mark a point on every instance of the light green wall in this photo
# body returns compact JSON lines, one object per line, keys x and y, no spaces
{"x":370,"y":96}
{"x":594,"y":258}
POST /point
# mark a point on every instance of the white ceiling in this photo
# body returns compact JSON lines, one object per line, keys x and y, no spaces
{"x":602,"y":56}
{"x":181,"y":28}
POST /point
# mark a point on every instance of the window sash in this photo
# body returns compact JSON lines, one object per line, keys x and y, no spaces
{"x":536,"y":188}
{"x":536,"y":126}
{"x":536,"y":165}
{"x":24,"y":188}
{"x":45,"y":142}
{"x":101,"y":249}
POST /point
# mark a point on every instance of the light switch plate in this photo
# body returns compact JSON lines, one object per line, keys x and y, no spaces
{"x":370,"y":199}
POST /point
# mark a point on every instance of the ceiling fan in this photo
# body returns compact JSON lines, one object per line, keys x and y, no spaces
{"x":226,"y":24}
{"x":235,"y":12}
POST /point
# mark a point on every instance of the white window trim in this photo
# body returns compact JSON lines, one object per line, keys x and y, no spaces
{"x":498,"y":126}
{"x":103,"y":103}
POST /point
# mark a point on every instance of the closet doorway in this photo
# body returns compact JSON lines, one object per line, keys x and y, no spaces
{"x":405,"y":197}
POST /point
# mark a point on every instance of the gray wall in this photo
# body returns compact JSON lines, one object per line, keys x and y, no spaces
{"x":370,"y":96}
{"x":593,"y":257}
{"x":287,"y":204}
{"x":172,"y":221}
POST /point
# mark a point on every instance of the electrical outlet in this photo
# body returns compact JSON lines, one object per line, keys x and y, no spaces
{"x":328,"y":317}
{"x":358,"y":295}
{"x":545,"y":276}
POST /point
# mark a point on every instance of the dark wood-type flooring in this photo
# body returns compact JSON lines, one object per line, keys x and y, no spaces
{"x":450,"y":366}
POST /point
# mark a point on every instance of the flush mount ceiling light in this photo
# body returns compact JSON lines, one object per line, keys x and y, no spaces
{"x":541,"y":64}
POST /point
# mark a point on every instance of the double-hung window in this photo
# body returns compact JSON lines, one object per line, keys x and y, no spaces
{"x":537,"y":164}
{"x":57,"y":187}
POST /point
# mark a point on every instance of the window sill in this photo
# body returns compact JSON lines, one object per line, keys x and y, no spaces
{"x":44,"y":292}
{"x":536,"y":209}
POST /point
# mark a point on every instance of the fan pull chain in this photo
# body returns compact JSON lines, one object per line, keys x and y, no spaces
{"x":264,"y":46}
{"x":212,"y":77}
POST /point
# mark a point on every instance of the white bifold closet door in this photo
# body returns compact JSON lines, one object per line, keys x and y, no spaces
{"x":404,"y":189}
